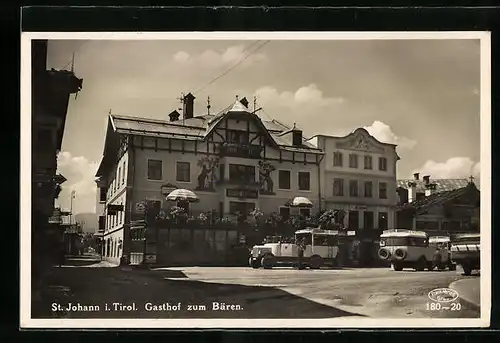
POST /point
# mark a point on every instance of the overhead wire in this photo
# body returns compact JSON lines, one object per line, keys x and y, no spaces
{"x":249,"y":53}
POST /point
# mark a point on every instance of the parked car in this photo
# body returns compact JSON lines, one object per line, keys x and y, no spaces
{"x":317,"y":248}
{"x":442,"y":255}
{"x":465,"y":251}
{"x":407,"y":249}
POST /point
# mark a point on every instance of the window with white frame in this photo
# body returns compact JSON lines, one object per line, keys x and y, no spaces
{"x":338,"y":187}
{"x":382,"y":163}
{"x":338,"y":159}
{"x":368,"y":189}
{"x":353,"y":161}
{"x":304,"y":181}
{"x":183,"y":172}
{"x":284,"y":177}
{"x":353,"y":188}
{"x":382,"y":190}
{"x":154,"y":169}
{"x":368,"y":162}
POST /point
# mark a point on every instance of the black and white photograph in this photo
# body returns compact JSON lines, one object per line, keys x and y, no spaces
{"x":302,"y":179}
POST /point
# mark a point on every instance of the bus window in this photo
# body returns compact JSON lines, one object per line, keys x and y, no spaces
{"x":306,"y":236}
{"x":325,"y":240}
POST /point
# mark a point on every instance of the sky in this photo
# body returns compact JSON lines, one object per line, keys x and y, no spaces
{"x":422,"y":95}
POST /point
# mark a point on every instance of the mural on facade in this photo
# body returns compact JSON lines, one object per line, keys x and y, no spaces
{"x":208,"y":173}
{"x":266,"y":182}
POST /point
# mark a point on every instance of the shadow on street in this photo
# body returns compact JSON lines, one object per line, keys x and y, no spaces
{"x":104,"y":293}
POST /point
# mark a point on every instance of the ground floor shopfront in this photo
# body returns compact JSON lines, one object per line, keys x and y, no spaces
{"x":365,"y":216}
{"x":169,"y":244}
{"x":359,"y":248}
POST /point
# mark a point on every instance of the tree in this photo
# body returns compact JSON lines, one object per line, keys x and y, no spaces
{"x":332,"y":219}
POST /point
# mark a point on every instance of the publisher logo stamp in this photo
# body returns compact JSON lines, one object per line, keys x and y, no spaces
{"x":443,"y":295}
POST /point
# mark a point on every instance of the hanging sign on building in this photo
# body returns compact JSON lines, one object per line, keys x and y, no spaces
{"x":166,"y":189}
{"x":150,"y":258}
{"x":56,"y":217}
{"x":242,"y":193}
{"x":140,"y":207}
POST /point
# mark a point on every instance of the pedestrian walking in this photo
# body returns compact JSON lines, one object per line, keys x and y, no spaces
{"x":437,"y":259}
{"x":301,"y":245}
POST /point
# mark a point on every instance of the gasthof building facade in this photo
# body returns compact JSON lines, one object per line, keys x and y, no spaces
{"x":233,"y":161}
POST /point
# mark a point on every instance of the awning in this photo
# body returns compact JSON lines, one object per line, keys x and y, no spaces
{"x":300,"y":202}
{"x":182,"y":195}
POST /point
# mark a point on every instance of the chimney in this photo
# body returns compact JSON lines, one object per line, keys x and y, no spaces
{"x":416,"y":176}
{"x":430,"y":189}
{"x":296,"y":136}
{"x":426,"y":179}
{"x":174,"y":115}
{"x":412,"y":191}
{"x":188,"y":106}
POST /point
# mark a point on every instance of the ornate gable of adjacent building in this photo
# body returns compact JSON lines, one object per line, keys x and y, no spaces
{"x":361,"y":140}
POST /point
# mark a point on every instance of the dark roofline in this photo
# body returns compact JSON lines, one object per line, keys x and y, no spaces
{"x":437,"y":198}
{"x":352,"y":133}
{"x":157,"y":121}
{"x":253,"y":115}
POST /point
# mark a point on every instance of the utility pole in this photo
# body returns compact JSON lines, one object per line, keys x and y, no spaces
{"x":73,"y":63}
{"x":208,"y":105}
{"x":73,"y":195}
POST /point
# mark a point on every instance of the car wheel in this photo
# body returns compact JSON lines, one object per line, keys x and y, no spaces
{"x":467,"y":269}
{"x":267,"y":262}
{"x":421,"y":264}
{"x":397,"y":267}
{"x":452,"y":266}
{"x":316,"y":262}
{"x":254,"y":263}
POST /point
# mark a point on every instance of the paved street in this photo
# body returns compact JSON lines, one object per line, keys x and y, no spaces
{"x":277,"y":293}
{"x":373,"y":292}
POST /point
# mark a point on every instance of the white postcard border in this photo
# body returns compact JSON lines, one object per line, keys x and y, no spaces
{"x":26,"y":322}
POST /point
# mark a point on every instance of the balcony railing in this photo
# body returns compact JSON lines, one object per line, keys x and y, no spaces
{"x":239,"y":150}
{"x":239,"y":182}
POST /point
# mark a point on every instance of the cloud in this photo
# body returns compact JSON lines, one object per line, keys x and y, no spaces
{"x":384,"y":133}
{"x":214,"y":59}
{"x":181,"y":57}
{"x":309,"y":95}
{"x":79,"y":172}
{"x":455,"y":167}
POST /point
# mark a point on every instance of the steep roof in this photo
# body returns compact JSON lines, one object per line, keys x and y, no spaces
{"x":199,"y":127}
{"x":437,"y":198}
{"x":442,"y":185}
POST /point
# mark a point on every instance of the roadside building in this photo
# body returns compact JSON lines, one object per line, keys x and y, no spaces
{"x":438,"y":205}
{"x":51,"y":90}
{"x":358,"y":175}
{"x":233,"y":161}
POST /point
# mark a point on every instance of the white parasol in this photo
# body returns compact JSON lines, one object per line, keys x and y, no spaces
{"x":300,"y":202}
{"x":182,"y":195}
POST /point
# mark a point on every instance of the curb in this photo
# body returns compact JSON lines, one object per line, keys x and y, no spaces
{"x":472,"y":304}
